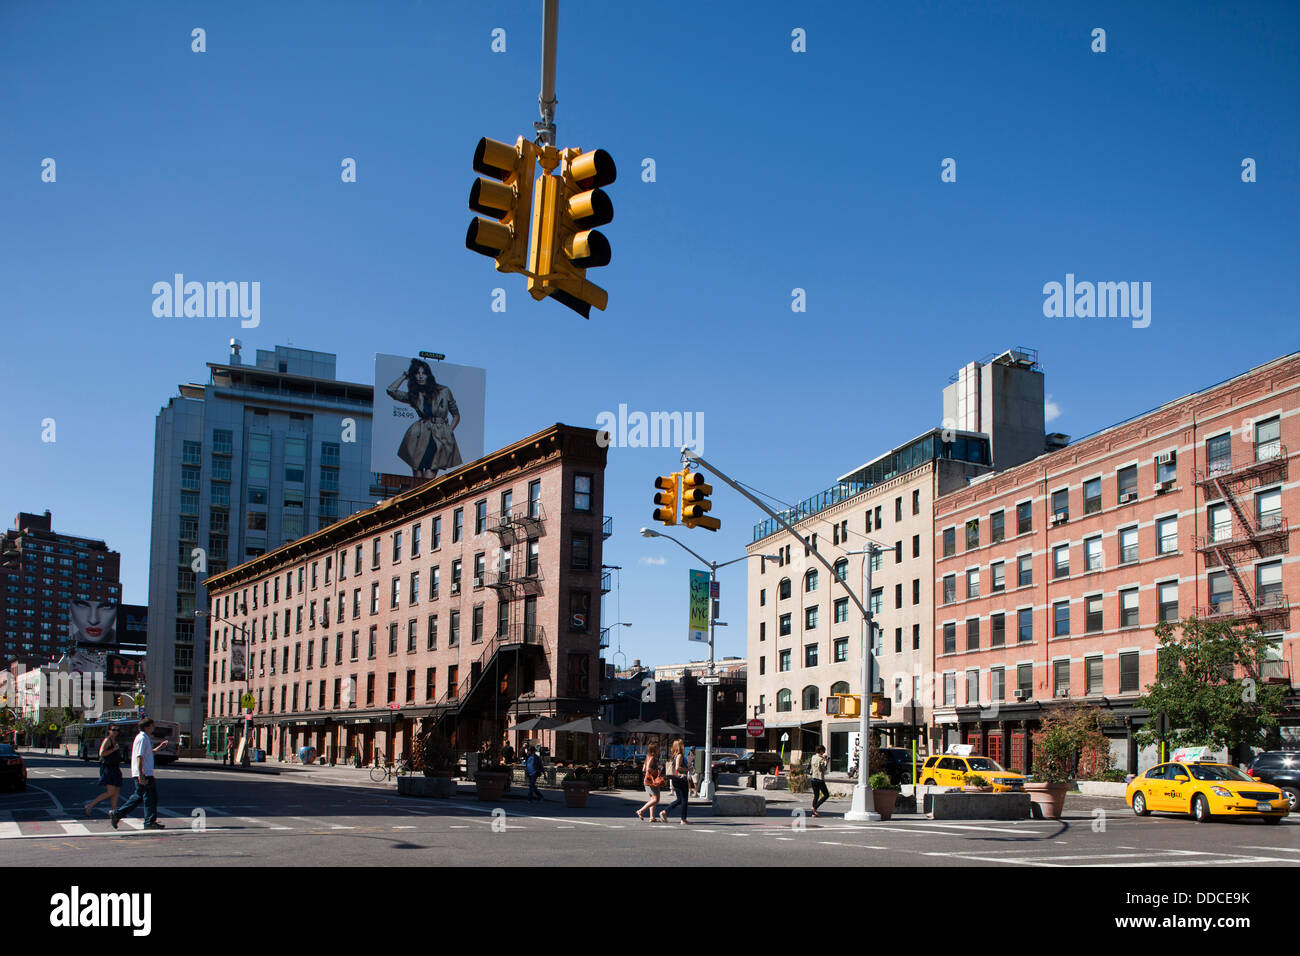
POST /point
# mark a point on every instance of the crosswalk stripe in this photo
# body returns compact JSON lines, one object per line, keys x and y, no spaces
{"x":73,"y":828}
{"x":9,"y":829}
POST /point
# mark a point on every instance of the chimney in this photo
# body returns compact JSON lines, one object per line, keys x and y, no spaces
{"x":235,"y":346}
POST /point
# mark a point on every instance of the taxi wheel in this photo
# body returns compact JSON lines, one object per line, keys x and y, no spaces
{"x":929,"y":782}
{"x":1200,"y":809}
{"x":1140,"y":805}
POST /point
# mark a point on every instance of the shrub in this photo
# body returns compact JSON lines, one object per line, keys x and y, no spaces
{"x":797,"y":781}
{"x":977,"y":780}
{"x":880,"y":781}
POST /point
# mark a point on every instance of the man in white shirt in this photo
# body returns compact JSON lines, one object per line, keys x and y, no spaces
{"x":142,"y":751}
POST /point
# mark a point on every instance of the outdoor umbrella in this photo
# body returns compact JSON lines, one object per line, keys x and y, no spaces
{"x":633,"y":726}
{"x":587,"y":725}
{"x":661,"y":726}
{"x":538,"y":723}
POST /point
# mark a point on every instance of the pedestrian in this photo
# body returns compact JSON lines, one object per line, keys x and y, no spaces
{"x":817,"y":778}
{"x":229,"y":756}
{"x":532,"y":770}
{"x":146,"y":790}
{"x":653,"y":779}
{"x":110,"y":769}
{"x":508,"y":752}
{"x":677,"y":769}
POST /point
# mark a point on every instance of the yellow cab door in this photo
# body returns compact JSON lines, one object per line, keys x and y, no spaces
{"x":952,"y":772}
{"x":1179,"y":788}
{"x":1153,"y":787}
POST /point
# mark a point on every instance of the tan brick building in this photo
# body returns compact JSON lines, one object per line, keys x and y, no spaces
{"x":1050,"y":577}
{"x":467,"y":603}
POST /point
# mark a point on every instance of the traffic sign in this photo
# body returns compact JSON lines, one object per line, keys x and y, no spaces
{"x":139,"y":700}
{"x":713,"y":589}
{"x":394,"y":706}
{"x":755,"y":728}
{"x":247,"y":701}
{"x":710,"y":680}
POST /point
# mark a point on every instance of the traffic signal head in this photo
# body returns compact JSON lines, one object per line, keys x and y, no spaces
{"x":666,"y":499}
{"x":506,"y":197}
{"x":565,"y":242}
{"x":880,"y":706}
{"x":695,"y":502}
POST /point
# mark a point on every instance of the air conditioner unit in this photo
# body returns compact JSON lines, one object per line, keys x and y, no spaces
{"x":1062,"y":692}
{"x":1060,"y":517}
{"x":1164,"y":458}
{"x":1127,"y":497}
{"x":455,"y":587}
{"x":478,"y":582}
{"x":1022,"y":694}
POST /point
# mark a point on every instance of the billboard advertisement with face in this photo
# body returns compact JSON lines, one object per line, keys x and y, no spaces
{"x":93,"y":623}
{"x":428,"y":416}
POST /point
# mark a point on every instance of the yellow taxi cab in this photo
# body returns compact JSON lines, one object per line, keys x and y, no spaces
{"x":1205,"y":790}
{"x":951,"y":770}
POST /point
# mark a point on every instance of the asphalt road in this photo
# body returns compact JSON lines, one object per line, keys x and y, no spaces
{"x":323,"y":816}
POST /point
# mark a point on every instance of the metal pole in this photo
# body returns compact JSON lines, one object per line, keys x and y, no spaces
{"x":706,"y":788}
{"x":546,"y":99}
{"x":861,"y":809}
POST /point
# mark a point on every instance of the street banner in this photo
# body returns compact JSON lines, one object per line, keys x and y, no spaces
{"x":699,"y":624}
{"x":237,"y":674}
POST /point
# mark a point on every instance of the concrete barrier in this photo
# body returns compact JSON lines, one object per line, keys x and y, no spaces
{"x":978,"y":806}
{"x":419,"y":786}
{"x":768,"y":781}
{"x":739,"y":805}
{"x":1100,"y":788}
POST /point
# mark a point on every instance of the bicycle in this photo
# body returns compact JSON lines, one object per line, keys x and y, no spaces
{"x":388,"y":770}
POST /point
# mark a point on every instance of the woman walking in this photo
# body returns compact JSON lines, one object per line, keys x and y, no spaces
{"x":654,"y":781}
{"x":677,"y":773}
{"x":110,"y":770}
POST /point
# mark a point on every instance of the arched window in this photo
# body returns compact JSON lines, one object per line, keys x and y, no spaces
{"x":783,"y":589}
{"x":840,"y":687}
{"x":811,"y":699}
{"x":810,"y":580}
{"x":842,"y":568}
{"x":784,"y":701}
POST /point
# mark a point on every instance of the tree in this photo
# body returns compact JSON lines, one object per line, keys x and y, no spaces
{"x":1209,"y":687}
{"x":1065,"y":737}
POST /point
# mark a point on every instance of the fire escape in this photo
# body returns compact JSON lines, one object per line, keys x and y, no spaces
{"x":1245,"y":538}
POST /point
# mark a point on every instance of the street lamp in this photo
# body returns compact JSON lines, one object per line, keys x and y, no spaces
{"x":706,"y":786}
{"x":248,"y":717}
{"x":861,"y":808}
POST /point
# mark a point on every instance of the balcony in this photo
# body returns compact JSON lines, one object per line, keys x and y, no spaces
{"x":1267,"y":604}
{"x":606,"y":527}
{"x":606,"y":582}
{"x":1267,"y":458}
{"x":1268,"y":527}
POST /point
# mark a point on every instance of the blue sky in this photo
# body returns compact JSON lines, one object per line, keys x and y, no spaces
{"x":775,"y":170}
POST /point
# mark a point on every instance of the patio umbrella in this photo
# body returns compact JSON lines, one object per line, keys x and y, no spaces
{"x":587,"y":725}
{"x":633,"y":726}
{"x":538,"y":723}
{"x":661,"y":726}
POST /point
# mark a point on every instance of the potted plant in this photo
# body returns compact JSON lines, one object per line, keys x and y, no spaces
{"x":977,"y":783}
{"x":1052,"y":772}
{"x":884,"y":794}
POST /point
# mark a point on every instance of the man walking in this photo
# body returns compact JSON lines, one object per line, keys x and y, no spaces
{"x":142,"y":751}
{"x":229,"y":757}
{"x":817,"y":778}
{"x":533,"y":770}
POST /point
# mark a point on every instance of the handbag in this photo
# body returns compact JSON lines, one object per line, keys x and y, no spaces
{"x":653,"y":778}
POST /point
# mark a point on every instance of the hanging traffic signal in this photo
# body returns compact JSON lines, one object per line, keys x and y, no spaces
{"x":695,"y":502}
{"x":507,"y":197}
{"x":565,"y":242}
{"x":666,"y":499}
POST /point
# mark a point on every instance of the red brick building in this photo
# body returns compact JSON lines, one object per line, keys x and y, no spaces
{"x":1050,"y":577}
{"x":469,"y":602}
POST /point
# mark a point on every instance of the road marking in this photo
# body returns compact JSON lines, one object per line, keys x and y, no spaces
{"x":53,"y":798}
{"x":994,"y":859}
{"x":9,"y":829}
{"x":73,"y":828}
{"x":1276,"y":849}
{"x":937,"y":825}
{"x":403,"y":828}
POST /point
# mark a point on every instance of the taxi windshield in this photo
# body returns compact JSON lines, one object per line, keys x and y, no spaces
{"x":982,"y":763}
{"x":1217,"y":772}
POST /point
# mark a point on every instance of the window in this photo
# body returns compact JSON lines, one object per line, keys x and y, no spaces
{"x":1268,"y":510}
{"x":841,"y":649}
{"x":949,"y":542}
{"x":997,"y":526}
{"x":916,"y":502}
{"x":1092,"y":616}
{"x":453,"y":630}
{"x":898,"y":595}
{"x":784,"y":625}
{"x":916,"y":545}
{"x":1092,"y":669}
{"x":1167,"y":601}
{"x":1268,"y":584}
{"x":1025,"y":679}
{"x":431,"y":641}
{"x":972,"y":534}
{"x":1167,"y":470}
{"x":580,"y":552}
{"x":898,"y":640}
{"x":1268,"y":439}
{"x":999,"y":575}
{"x":950,"y":689}
{"x":397,"y":546}
{"x":972,"y":583}
{"x":950,"y":638}
{"x":1128,"y":607}
{"x":898,"y":508}
{"x":414,"y":589}
{"x":580,"y":611}
{"x":356,"y":564}
{"x":784,"y":701}
{"x":1024,"y":570}
{"x":480,"y":569}
{"x":810,"y":581}
{"x":1061,"y":561}
{"x":916,"y":591}
{"x":842,"y":569}
{"x":480,"y":516}
{"x":392,"y":637}
{"x":783,"y":661}
{"x":762,"y":666}
{"x":810,"y":655}
{"x":972,"y":688}
{"x":1167,"y":535}
{"x":1127,"y":483}
{"x":949,"y":588}
{"x":1025,"y":625}
{"x":1220,"y":522}
{"x":375,"y":551}
{"x":436,"y":538}
{"x":783,"y":589}
{"x":582,"y":492}
{"x":810,"y":618}
{"x":1220,"y":591}
{"x":1092,"y":496}
{"x":1092,"y":554}
{"x":1128,"y":545}
{"x":455,"y":576}
{"x":876,"y":604}
{"x":1061,"y":678}
{"x":1128,"y":672}
{"x":415,"y":540}
{"x":535,"y":499}
{"x":1061,"y":619}
{"x":998,"y":683}
{"x":1061,"y":504}
{"x":973,"y":634}
{"x":841,"y":610}
{"x":395,"y":593}
{"x":997,"y":630}
{"x":762,"y":597}
{"x":434,"y":573}
{"x":1024,"y":517}
{"x":457,"y":524}
{"x":372,"y":645}
{"x":876,"y":560}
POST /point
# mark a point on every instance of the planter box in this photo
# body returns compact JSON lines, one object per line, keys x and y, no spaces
{"x":413,"y":786}
{"x":1099,"y":788}
{"x":977,"y":806}
{"x":739,"y":805}
{"x":575,"y":794}
{"x":490,"y":786}
{"x":767,"y":781}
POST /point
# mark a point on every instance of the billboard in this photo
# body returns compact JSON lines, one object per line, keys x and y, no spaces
{"x":428,"y":418}
{"x":93,"y":623}
{"x":698,"y":628}
{"x":124,"y":671}
{"x":133,"y":625}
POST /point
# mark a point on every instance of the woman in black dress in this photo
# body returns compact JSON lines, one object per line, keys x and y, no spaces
{"x":110,"y":770}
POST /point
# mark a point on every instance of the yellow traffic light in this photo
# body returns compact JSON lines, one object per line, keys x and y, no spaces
{"x":695,"y":502}
{"x":844,"y":705}
{"x":666,"y":498}
{"x":565,"y":242}
{"x":507,"y":197}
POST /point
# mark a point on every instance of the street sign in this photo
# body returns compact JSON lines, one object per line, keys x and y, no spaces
{"x":139,"y":711}
{"x":710,"y":680}
{"x":394,"y":706}
{"x":247,"y":701}
{"x":755,"y":728}
{"x":139,"y":700}
{"x":713,"y":589}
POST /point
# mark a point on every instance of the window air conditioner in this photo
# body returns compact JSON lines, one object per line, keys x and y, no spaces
{"x":1128,"y":496}
{"x":1022,"y":694}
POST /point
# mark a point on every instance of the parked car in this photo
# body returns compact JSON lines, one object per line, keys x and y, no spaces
{"x":1281,"y":768}
{"x":13,"y":772}
{"x":951,"y":770}
{"x":759,"y":761}
{"x":898,"y":764}
{"x":1205,"y":790}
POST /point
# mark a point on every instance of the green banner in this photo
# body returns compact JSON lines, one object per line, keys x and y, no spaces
{"x":699,"y":626}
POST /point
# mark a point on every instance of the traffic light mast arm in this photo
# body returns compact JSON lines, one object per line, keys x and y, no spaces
{"x":546,"y":99}
{"x":690,"y":455}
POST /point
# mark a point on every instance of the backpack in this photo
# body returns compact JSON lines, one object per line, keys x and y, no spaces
{"x":533,"y":764}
